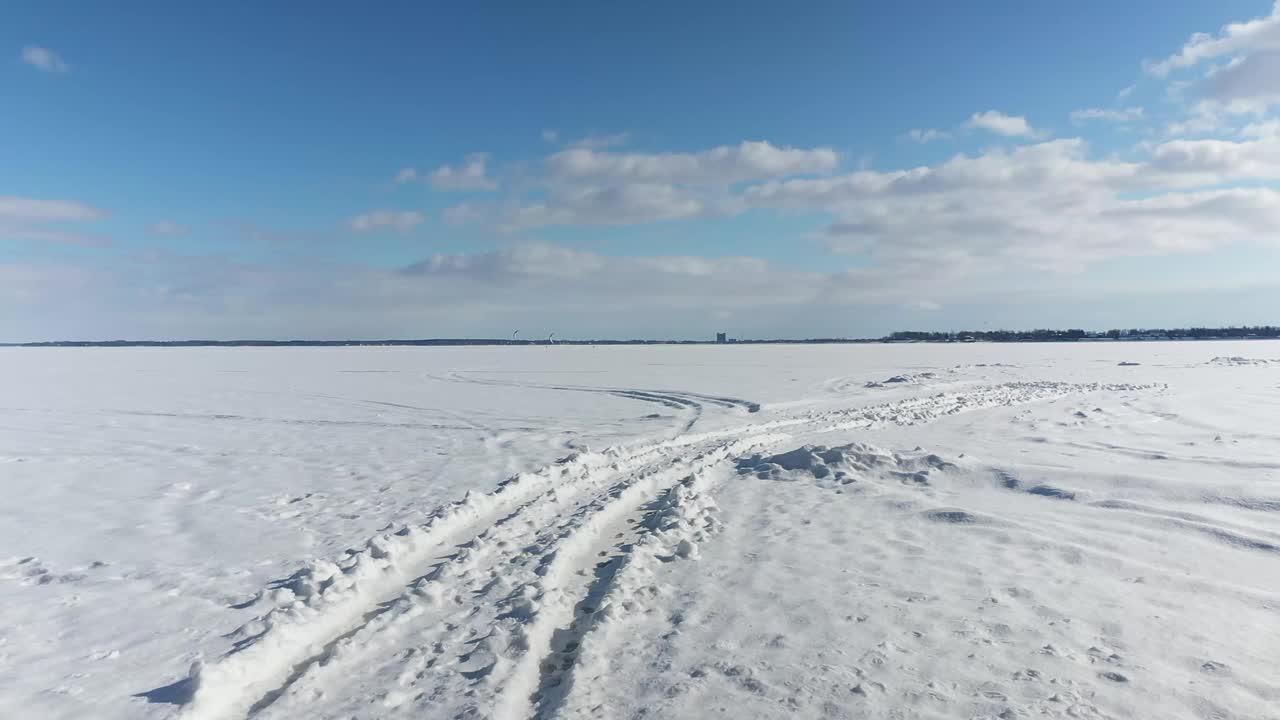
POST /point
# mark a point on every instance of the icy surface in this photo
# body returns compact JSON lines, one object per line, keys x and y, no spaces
{"x":902,"y":531}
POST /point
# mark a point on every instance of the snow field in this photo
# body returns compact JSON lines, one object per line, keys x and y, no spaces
{"x":920,"y":531}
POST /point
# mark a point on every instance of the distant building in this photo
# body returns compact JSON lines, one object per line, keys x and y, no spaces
{"x":722,"y":338}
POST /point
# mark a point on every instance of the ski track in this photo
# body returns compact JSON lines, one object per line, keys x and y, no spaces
{"x":514,"y":580}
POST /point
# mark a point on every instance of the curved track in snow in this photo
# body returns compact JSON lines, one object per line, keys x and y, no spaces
{"x":482,"y":611}
{"x":690,"y":403}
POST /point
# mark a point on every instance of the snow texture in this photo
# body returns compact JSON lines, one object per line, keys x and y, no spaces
{"x":1073,"y":531}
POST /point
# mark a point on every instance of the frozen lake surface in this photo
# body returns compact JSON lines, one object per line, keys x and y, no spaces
{"x":883,"y":531}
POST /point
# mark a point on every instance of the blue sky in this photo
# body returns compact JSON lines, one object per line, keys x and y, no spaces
{"x":243,"y":170}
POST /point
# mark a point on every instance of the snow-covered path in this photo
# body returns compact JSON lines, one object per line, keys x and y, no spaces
{"x":904,"y":532}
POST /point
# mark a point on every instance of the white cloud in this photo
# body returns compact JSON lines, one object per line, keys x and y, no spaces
{"x":44,"y":59}
{"x":1115,"y":115}
{"x":37,"y":219}
{"x":1243,"y":66}
{"x":1045,"y":206}
{"x":1216,"y":162}
{"x":927,"y":135}
{"x":1269,"y":129}
{"x":1204,"y":117}
{"x":1247,"y":85}
{"x":538,"y":288}
{"x":471,"y":175}
{"x":1125,"y":92}
{"x":619,"y":205}
{"x":1233,"y":39}
{"x":722,"y":165}
{"x":166,"y":228}
{"x":550,"y":136}
{"x":541,"y":289}
{"x":34,"y":210}
{"x":530,"y":260}
{"x":587,"y":186}
{"x":927,"y":236}
{"x":405,"y":175}
{"x":569,"y":283}
{"x":400,"y":221}
{"x":1002,"y":124}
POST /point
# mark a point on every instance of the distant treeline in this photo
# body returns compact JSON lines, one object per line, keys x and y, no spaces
{"x":1044,"y":335}
{"x":1075,"y":334}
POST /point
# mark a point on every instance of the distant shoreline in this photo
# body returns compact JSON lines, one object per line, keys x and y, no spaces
{"x":1200,"y":335}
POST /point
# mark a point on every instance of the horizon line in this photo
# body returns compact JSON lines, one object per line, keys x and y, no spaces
{"x":1007,"y":335}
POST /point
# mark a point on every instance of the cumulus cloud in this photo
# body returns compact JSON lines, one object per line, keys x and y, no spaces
{"x":1233,"y":39}
{"x":1203,"y":118}
{"x":1048,"y":205}
{"x":1006,"y":218}
{"x":619,"y":205}
{"x":1115,"y":115}
{"x":1011,"y":220}
{"x":166,"y":228}
{"x":1261,"y":130}
{"x":534,"y":260}
{"x":1243,"y":60}
{"x":1211,"y":161}
{"x":44,"y":59}
{"x":584,"y":185}
{"x":573,"y":283}
{"x":1250,"y":84}
{"x":1002,"y":124}
{"x":400,"y":221}
{"x":722,"y":165}
{"x":470,"y":175}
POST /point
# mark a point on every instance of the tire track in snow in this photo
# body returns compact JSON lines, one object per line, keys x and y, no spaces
{"x":517,"y":546}
{"x":585,"y":497}
{"x":472,"y":627}
{"x":670,"y":528}
{"x":565,"y":581}
{"x":326,"y":601}
{"x":688,"y":515}
{"x":669,"y":398}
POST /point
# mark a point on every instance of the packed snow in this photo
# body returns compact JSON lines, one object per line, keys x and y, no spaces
{"x":856,"y":531}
